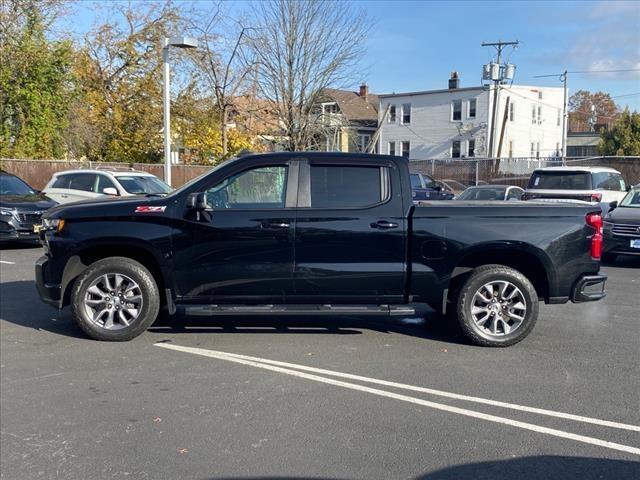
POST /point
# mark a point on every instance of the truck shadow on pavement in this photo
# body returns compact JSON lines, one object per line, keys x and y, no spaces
{"x":548,"y":467}
{"x":20,"y":305}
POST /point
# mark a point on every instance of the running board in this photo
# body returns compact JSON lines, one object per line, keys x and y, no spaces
{"x":380,"y":310}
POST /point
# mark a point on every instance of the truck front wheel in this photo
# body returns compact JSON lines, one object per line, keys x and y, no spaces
{"x":496,"y":306}
{"x":115,"y":299}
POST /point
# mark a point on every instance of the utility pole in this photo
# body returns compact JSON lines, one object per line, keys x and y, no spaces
{"x":564,"y":119}
{"x":565,"y":109}
{"x":497,"y":80}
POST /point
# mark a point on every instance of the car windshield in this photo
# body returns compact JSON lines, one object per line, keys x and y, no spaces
{"x":631,"y":199}
{"x":10,"y":185}
{"x":141,"y":185}
{"x":560,"y":181}
{"x":474,"y":193}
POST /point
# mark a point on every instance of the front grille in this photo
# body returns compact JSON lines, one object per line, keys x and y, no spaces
{"x":30,"y":218}
{"x":626,"y":230}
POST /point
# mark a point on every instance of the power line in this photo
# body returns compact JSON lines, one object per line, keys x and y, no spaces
{"x":627,"y":95}
{"x":591,"y":71}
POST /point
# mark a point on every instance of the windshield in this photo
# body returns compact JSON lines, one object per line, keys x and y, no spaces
{"x":10,"y":185}
{"x":631,"y":199}
{"x":496,"y":193}
{"x":140,"y":185}
{"x":560,"y":181}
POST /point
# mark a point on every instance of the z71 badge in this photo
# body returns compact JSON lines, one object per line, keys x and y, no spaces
{"x":150,"y":209}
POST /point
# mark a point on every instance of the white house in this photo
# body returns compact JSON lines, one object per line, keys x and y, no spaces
{"x":456,"y":122}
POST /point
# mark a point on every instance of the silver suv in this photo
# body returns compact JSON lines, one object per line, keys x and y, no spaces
{"x":86,"y":184}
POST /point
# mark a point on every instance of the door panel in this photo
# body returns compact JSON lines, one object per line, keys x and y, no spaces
{"x":353,"y":254}
{"x":242,"y":250}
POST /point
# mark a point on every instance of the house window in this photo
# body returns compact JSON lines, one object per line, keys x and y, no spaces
{"x":363,"y":141}
{"x":557,"y":149}
{"x":330,"y":108}
{"x":533,"y":149}
{"x":471,"y":148}
{"x":392,"y":148}
{"x":512,"y":112}
{"x":539,"y":115}
{"x":539,"y":95}
{"x":533,"y":114}
{"x":472,"y":108}
{"x":406,"y":113}
{"x":455,"y":149}
{"x":510,"y":148}
{"x":456,"y":110}
{"x":406,"y":147}
{"x":558,"y":118}
{"x":537,"y":149}
{"x":392,"y":114}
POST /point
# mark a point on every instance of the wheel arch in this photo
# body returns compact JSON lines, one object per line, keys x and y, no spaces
{"x":532,"y":262}
{"x":91,"y":253}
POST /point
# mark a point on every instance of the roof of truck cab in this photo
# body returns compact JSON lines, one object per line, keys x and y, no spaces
{"x":577,"y":169}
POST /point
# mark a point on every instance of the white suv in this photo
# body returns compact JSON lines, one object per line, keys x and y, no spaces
{"x":86,"y":184}
{"x":589,"y":184}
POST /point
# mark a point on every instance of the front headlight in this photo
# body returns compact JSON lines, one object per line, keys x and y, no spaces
{"x":8,"y":212}
{"x":56,"y":224}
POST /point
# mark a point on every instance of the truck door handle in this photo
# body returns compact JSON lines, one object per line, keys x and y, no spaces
{"x":64,"y":195}
{"x":275,"y":225}
{"x":384,"y":225}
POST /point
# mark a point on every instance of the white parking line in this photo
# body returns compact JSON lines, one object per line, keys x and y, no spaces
{"x":431,"y":391}
{"x":8,"y":263}
{"x":259,"y":363}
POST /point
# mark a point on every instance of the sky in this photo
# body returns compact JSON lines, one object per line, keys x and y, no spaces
{"x":415,"y":45}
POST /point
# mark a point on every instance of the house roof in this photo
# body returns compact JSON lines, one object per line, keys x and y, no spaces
{"x":356,"y":109}
{"x":425,"y":92}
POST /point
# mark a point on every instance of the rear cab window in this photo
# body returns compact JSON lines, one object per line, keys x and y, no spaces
{"x":560,"y":180}
{"x":85,"y":182}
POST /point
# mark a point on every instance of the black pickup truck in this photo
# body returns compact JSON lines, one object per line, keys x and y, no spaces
{"x":316,"y":234}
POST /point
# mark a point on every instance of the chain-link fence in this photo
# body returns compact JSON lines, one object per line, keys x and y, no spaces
{"x":514,"y":171}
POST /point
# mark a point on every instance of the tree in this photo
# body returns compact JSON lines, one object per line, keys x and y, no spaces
{"x":605,"y":111}
{"x":623,"y":139}
{"x":119,"y":72}
{"x":300,"y":48}
{"x":222,"y":61}
{"x":35,"y":80}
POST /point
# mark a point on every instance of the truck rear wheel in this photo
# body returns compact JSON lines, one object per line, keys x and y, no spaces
{"x":115,"y":299}
{"x":496,"y":306}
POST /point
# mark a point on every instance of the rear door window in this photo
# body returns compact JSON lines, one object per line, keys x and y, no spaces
{"x":609,"y":181}
{"x":62,"y":181}
{"x":560,"y":181}
{"x":85,"y":182}
{"x":345,"y":186}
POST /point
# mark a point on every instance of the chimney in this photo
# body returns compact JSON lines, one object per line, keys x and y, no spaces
{"x":454,"y":81}
{"x":364,"y":90}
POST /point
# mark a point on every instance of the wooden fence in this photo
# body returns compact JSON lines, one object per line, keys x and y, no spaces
{"x":38,"y":172}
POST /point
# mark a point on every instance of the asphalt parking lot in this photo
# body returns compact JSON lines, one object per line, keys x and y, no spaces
{"x":296,"y":398}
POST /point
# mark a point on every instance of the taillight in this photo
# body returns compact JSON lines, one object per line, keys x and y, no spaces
{"x":596,"y":197}
{"x":595,"y":220}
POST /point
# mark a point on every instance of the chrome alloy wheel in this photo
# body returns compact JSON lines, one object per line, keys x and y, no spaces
{"x":498,"y":308}
{"x":113,"y":301}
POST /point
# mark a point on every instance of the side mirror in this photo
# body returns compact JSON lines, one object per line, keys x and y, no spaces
{"x":613,"y":205}
{"x":628,"y":188}
{"x":110,"y":191}
{"x":438,"y":188}
{"x":198,"y":201}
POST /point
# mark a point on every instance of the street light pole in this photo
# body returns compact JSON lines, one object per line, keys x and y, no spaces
{"x":179,"y":42}
{"x":166,"y":112}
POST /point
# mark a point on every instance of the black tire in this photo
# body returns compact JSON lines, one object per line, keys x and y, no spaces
{"x":465,"y":302}
{"x":148,"y":293}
